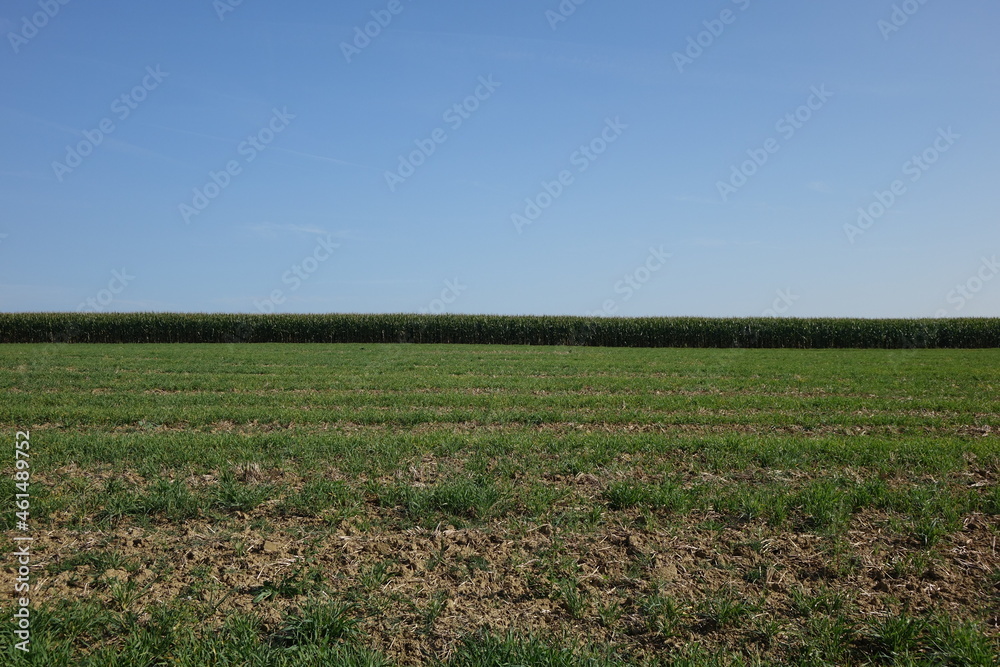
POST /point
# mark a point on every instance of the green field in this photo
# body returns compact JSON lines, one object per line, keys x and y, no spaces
{"x":282,"y":504}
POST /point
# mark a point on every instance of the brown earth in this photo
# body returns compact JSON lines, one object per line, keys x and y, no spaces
{"x":440,"y":584}
{"x":586,"y":427}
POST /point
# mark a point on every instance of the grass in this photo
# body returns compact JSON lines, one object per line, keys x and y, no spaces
{"x":317,"y":496}
{"x":329,"y":632}
{"x":354,"y":504}
{"x":320,"y":622}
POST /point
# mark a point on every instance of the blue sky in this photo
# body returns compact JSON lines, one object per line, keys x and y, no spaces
{"x":631,"y":158}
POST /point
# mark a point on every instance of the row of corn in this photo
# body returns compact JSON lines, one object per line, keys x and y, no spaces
{"x":499,"y":330}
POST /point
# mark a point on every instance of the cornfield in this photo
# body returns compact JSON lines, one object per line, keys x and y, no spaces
{"x":499,"y":330}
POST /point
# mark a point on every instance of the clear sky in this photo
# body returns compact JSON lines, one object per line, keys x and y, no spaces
{"x":640,"y":157}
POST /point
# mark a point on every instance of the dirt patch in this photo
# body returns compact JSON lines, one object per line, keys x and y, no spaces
{"x":465,"y":427}
{"x":420,"y":590}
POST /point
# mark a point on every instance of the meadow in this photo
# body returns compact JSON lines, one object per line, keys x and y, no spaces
{"x":361,"y":504}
